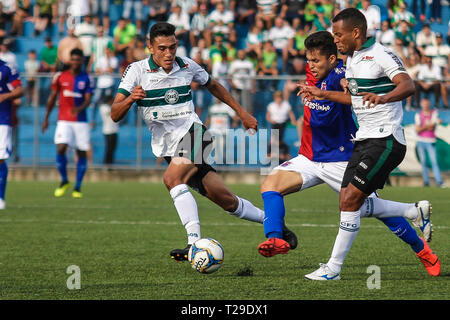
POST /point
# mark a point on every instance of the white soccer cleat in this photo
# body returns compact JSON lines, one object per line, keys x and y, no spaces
{"x":323,"y":273}
{"x":2,"y":204}
{"x":423,"y":220}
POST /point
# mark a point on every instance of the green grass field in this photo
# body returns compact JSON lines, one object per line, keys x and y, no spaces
{"x":120,"y":235}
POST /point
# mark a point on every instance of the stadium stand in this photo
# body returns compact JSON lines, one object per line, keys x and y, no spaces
{"x":131,"y":153}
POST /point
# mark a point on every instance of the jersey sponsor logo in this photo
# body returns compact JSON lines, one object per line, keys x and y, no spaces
{"x":362,"y":164}
{"x":367,"y":58}
{"x":71,"y":94}
{"x":316,"y":105}
{"x":171,"y":96}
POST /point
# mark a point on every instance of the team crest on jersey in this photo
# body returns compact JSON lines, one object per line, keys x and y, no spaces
{"x":171,"y":96}
{"x":81,"y":85}
{"x":323,"y":86}
{"x":353,"y":87}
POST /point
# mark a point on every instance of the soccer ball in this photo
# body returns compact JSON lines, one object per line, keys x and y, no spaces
{"x":206,"y":255}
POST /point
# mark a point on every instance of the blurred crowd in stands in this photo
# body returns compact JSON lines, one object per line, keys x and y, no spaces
{"x":227,"y":37}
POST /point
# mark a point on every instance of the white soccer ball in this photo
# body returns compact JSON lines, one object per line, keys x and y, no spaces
{"x":206,"y":255}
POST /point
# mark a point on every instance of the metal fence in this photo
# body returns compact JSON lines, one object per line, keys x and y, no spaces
{"x":32,"y":148}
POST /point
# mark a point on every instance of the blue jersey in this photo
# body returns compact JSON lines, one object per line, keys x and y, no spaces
{"x":9,"y":80}
{"x":328,"y":126}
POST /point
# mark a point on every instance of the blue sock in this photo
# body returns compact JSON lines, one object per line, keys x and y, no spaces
{"x":3,"y":179}
{"x":81,"y":170}
{"x":274,"y":214}
{"x":61,"y":163}
{"x":402,"y":229}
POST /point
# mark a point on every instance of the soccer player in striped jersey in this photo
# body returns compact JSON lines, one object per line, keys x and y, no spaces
{"x":10,"y":89}
{"x":72,"y":129}
{"x":376,"y":83}
{"x":160,"y":86}
{"x":323,"y":157}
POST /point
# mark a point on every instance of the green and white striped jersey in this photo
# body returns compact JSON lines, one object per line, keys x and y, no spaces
{"x":371,"y":69}
{"x":167,"y":109}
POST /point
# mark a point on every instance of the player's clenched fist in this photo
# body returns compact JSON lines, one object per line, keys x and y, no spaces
{"x":138,"y":93}
{"x":249,"y":121}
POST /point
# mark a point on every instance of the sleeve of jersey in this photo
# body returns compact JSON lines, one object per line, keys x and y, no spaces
{"x":55,"y":82}
{"x":200,"y":74}
{"x":13,"y":80}
{"x":129,"y":80}
{"x":391,"y":64}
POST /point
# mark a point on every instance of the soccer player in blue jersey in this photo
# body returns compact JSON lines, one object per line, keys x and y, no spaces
{"x":323,"y":156}
{"x":10,"y":89}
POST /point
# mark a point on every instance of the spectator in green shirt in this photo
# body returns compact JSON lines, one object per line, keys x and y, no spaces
{"x":48,"y":56}
{"x":321,"y":23}
{"x":124,"y":35}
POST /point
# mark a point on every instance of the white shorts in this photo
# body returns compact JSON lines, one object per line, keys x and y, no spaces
{"x":5,"y":141}
{"x":74,"y":134}
{"x":315,"y":173}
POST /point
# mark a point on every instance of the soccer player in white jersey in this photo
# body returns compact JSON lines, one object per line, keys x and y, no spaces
{"x":160,"y":86}
{"x":377,"y":84}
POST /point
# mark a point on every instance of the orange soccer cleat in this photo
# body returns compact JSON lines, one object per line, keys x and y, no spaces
{"x":273,"y":246}
{"x":429,"y":259}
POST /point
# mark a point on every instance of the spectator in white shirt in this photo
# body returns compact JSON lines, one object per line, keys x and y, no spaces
{"x":425,"y":38}
{"x":280,"y":34}
{"x":278,"y":114}
{"x":386,"y":36}
{"x":242,"y":87}
{"x":222,"y":20}
{"x":429,"y":80}
{"x":110,"y":129}
{"x":373,"y":17}
{"x":86,"y":32}
{"x":440,"y":52}
{"x":180,"y":20}
{"x":104,"y":69}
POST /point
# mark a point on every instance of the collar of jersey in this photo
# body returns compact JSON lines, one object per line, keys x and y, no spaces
{"x":370,"y":42}
{"x":154,"y":67}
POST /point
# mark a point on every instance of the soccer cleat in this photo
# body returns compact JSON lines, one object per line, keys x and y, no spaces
{"x":180,"y":254}
{"x":323,"y":273}
{"x":273,"y":246}
{"x":77,"y":194}
{"x":429,"y":259}
{"x":2,"y":204}
{"x":61,"y":190}
{"x":423,"y":220}
{"x":290,"y":237}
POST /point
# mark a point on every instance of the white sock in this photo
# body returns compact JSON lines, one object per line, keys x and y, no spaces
{"x":348,"y":229}
{"x":247,"y":211}
{"x":380,"y":208}
{"x":187,"y":211}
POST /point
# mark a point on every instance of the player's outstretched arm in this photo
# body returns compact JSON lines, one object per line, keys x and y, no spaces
{"x":404,"y":87}
{"x":123,"y":103}
{"x":223,"y":95}
{"x":313,"y":92}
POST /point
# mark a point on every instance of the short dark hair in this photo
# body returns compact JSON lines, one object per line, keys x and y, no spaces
{"x":352,"y":17}
{"x":322,"y":41}
{"x":161,"y":29}
{"x":76,"y":52}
